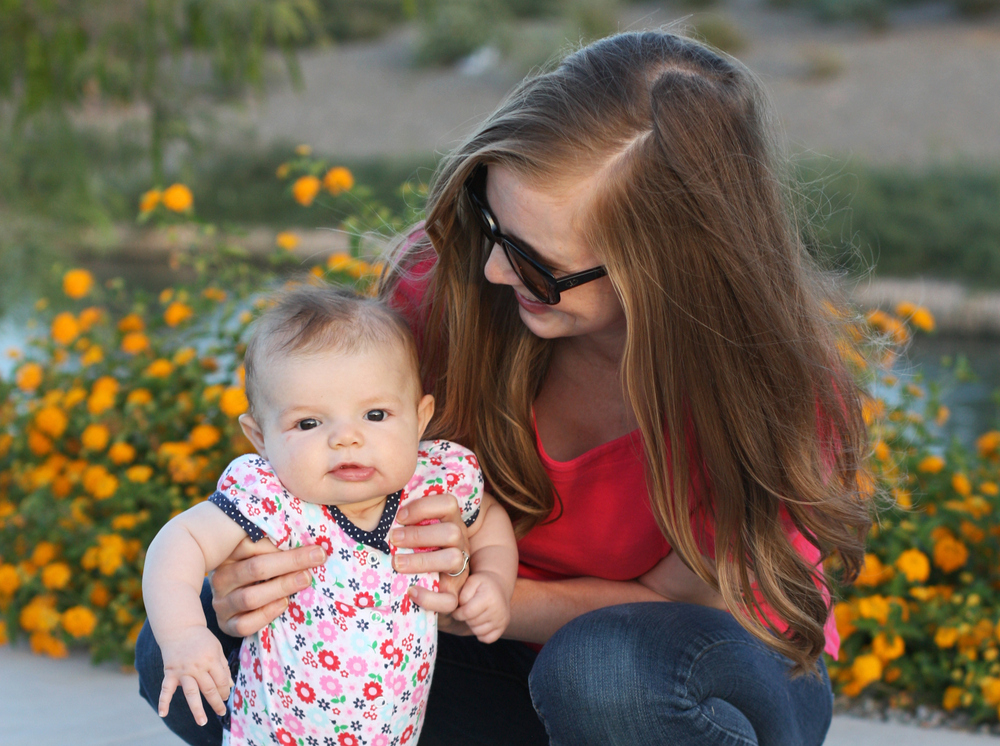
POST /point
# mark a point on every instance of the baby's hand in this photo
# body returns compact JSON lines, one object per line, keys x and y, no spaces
{"x":483,"y":606}
{"x":194,"y":660}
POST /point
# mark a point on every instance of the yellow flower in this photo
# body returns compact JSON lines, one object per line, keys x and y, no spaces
{"x":79,"y":621}
{"x":946,"y":637}
{"x":99,"y":482}
{"x":233,"y":402}
{"x":159,"y":368}
{"x":282,"y":171}
{"x":988,"y":443}
{"x":340,"y":262}
{"x":177,"y":313}
{"x":922,"y":319}
{"x":989,"y":488}
{"x":952,"y":698}
{"x":166,"y":295}
{"x":972,"y":532}
{"x":178,"y":198}
{"x":866,"y":669}
{"x":139,"y":474}
{"x":950,"y":554}
{"x":110,"y":553}
{"x":139,"y":396}
{"x":95,"y":437}
{"x":29,"y":377}
{"x":92,"y":356}
{"x":337,"y":180}
{"x":881,"y":450}
{"x":287,"y":240}
{"x":903,"y":498}
{"x":943,"y":413}
{"x":874,"y":607}
{"x":3,"y":633}
{"x":931,"y":465}
{"x":305,"y":190}
{"x":38,"y":443}
{"x":872,"y":573}
{"x":128,"y":521}
{"x":844,"y":616}
{"x":102,"y":395}
{"x":65,"y":328}
{"x":914,"y":565}
{"x":99,"y":596}
{"x":888,"y":325}
{"x":991,"y":690}
{"x":149,"y":200}
{"x":184,"y":355}
{"x":121,"y":453}
{"x":204,"y":436}
{"x":56,"y":576}
{"x":51,"y":421}
{"x":885,"y":650}
{"x":42,"y":642}
{"x":39,"y":614}
{"x":10,"y":581}
{"x":135,"y":342}
{"x":131,"y":323}
{"x":211,"y":393}
{"x":77,"y":283}
{"x":961,"y":484}
{"x":214,"y":293}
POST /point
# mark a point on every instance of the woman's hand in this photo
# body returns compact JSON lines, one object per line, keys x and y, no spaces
{"x":675,"y":581}
{"x":251,"y":588}
{"x":451,"y":537}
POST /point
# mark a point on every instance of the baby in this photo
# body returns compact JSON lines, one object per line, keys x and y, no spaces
{"x":336,"y":414}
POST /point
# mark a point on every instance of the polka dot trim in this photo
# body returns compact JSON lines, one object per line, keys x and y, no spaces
{"x":375,"y":538}
{"x":229,"y":508}
{"x":472,"y":518}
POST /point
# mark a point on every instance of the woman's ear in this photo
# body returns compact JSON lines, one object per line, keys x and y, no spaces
{"x":425,"y":410}
{"x":253,"y":432}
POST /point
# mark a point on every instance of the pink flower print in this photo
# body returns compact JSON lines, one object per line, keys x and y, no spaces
{"x":248,"y":479}
{"x":235,"y":729}
{"x":274,"y":487}
{"x":275,"y":673}
{"x":306,"y":597}
{"x":294,"y":725}
{"x":462,"y":490}
{"x":357,"y":666}
{"x":399,"y":585}
{"x":369,"y":578}
{"x":245,"y":657}
{"x":418,"y":693}
{"x":327,"y":631}
{"x":380,"y":740}
{"x":330,"y":686}
{"x":394,"y":682}
{"x":414,"y":482}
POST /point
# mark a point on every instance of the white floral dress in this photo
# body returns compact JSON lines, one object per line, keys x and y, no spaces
{"x":349,"y":662}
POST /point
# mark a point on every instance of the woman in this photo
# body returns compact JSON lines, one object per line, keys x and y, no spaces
{"x":617,"y":315}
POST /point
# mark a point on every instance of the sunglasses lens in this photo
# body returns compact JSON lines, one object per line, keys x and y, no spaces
{"x":533,"y":280}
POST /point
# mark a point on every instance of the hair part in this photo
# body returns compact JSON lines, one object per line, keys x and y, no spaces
{"x":730,"y":364}
{"x":310,"y":318}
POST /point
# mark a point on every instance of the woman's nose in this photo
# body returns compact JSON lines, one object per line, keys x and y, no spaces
{"x":498,"y":269}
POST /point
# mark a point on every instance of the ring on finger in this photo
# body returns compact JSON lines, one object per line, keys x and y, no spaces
{"x":464,"y":565}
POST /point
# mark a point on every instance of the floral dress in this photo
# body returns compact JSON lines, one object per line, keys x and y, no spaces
{"x":349,"y":662}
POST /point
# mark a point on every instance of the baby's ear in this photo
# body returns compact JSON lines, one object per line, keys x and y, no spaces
{"x":425,"y":410}
{"x":253,"y":432}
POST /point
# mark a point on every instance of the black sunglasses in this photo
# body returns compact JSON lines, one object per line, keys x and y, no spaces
{"x":536,"y":278}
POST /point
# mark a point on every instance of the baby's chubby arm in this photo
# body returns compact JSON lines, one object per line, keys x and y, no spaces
{"x":190,"y":545}
{"x":484,"y":601}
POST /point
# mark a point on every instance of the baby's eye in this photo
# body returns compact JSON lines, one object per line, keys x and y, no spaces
{"x":308,"y":424}
{"x":375,"y":415}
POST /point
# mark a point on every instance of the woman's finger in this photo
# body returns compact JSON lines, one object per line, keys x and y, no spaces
{"x":433,"y":535}
{"x":443,"y":507}
{"x":443,"y":561}
{"x":268,"y":564}
{"x":251,"y":622}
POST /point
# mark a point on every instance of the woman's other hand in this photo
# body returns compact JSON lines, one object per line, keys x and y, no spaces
{"x":451,"y":537}
{"x":675,"y":581}
{"x":251,"y":588}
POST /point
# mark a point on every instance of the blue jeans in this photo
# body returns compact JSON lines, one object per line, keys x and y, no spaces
{"x":634,"y":674}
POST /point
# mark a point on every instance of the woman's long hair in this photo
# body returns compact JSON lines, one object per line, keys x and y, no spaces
{"x":730,"y":362}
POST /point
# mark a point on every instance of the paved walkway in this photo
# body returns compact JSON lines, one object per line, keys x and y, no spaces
{"x":45,"y":702}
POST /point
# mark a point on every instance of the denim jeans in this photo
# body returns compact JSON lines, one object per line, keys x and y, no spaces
{"x":646,"y":673}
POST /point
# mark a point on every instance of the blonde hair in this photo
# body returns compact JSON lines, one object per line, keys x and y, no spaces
{"x":730,"y":361}
{"x":309,"y":318}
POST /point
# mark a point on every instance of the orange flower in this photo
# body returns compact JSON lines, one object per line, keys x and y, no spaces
{"x":159,"y":368}
{"x":99,"y":596}
{"x":287,"y":240}
{"x":204,"y":436}
{"x":215,"y":294}
{"x":139,"y":397}
{"x":29,"y":376}
{"x":121,"y":453}
{"x":38,"y":443}
{"x":39,"y":615}
{"x":149,"y":200}
{"x":337,"y":180}
{"x":961,"y":484}
{"x":233,"y":402}
{"x":79,"y":621}
{"x":10,"y":581}
{"x":914,"y":565}
{"x":178,"y":198}
{"x":99,"y":483}
{"x":102,"y":395}
{"x":952,"y":698}
{"x":844,"y":616}
{"x":881,"y":450}
{"x":135,"y":342}
{"x":77,"y":283}
{"x":177,"y":313}
{"x":866,"y":669}
{"x":44,"y":553}
{"x":131,"y":323}
{"x":282,"y":171}
{"x":56,"y":576}
{"x":950,"y":554}
{"x":92,"y":356}
{"x":988,"y":443}
{"x":51,"y":421}
{"x":139,"y":474}
{"x":873,"y":572}
{"x":95,"y":437}
{"x":65,"y":328}
{"x":989,"y":488}
{"x":305,"y":190}
{"x":922,"y":319}
{"x":874,"y":607}
{"x":931,"y":465}
{"x":886,"y":650}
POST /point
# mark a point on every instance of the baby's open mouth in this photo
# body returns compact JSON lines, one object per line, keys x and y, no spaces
{"x":351,"y":472}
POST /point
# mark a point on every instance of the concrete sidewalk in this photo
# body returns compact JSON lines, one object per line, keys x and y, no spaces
{"x":45,"y":702}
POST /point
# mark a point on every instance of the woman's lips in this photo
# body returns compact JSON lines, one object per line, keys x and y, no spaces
{"x":353,"y":472}
{"x":531,"y":306}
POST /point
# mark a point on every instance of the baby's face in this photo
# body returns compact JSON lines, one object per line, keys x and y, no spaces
{"x":341,"y":429}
